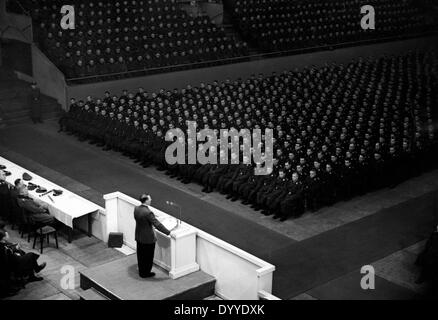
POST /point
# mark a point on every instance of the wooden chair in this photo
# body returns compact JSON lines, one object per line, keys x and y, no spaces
{"x":45,"y":232}
{"x":20,"y":217}
{"x":25,"y":225}
{"x":14,"y":214}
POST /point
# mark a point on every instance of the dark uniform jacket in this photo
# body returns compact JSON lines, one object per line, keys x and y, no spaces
{"x":145,"y":223}
{"x":35,"y":103}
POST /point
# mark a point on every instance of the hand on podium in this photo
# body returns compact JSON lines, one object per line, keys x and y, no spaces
{"x":172,"y":233}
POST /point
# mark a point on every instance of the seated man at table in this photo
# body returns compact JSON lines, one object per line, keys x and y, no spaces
{"x":38,"y":211}
{"x":15,"y":260}
{"x":4,"y":195}
{"x":19,"y":187}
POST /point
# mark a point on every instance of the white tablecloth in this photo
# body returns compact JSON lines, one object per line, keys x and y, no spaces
{"x":65,"y":208}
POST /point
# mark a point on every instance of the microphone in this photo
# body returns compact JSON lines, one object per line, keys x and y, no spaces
{"x":173,"y":204}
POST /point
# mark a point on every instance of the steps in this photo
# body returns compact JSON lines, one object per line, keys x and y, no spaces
{"x":213,"y":297}
{"x":203,"y":291}
{"x":197,"y":292}
{"x":14,"y":108}
{"x":91,"y":294}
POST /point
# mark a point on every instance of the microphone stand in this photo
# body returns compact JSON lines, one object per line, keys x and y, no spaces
{"x":179,"y":211}
{"x":173,"y":204}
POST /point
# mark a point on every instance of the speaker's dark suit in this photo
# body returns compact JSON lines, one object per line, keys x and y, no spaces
{"x":145,"y":237}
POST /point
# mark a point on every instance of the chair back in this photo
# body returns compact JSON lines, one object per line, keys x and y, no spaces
{"x":15,"y":207}
{"x":23,"y":215}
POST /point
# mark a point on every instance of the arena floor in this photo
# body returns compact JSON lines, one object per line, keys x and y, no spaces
{"x":317,"y":256}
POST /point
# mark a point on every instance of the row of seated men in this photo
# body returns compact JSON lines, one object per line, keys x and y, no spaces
{"x":115,"y":37}
{"x":284,"y":25}
{"x":370,"y":123}
{"x":15,"y":201}
{"x":18,"y":267}
{"x":79,"y":64}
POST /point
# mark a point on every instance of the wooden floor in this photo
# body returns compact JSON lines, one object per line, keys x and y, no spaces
{"x":119,"y":280}
{"x":82,"y":253}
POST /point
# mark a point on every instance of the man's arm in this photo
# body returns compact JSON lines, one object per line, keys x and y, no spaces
{"x":157,"y":224}
{"x":31,"y":206}
{"x":40,"y":203}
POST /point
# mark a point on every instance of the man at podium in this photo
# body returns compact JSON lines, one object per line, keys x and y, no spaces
{"x":145,"y":235}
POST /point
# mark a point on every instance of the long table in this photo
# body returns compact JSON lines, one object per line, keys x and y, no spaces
{"x":65,"y":208}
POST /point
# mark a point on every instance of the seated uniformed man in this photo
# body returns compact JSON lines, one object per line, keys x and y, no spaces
{"x":330,"y":185}
{"x":257,"y":196}
{"x":251,"y":184}
{"x":312,"y":191}
{"x":4,"y":196}
{"x":37,"y":211}
{"x":244,"y":173}
{"x":276,"y":196}
{"x":293,"y":202}
{"x":20,"y":262}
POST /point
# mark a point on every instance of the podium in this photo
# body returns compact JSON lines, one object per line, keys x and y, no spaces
{"x":176,"y":254}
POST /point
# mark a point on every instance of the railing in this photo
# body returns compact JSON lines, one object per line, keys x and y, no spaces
{"x":18,"y":3}
{"x":20,"y":22}
{"x":20,"y":30}
{"x":251,"y":273}
{"x":49,"y":78}
{"x":260,"y":56}
{"x":143,"y":72}
{"x":213,"y":18}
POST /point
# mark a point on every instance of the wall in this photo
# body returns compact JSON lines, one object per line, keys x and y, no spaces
{"x":2,"y":10}
{"x":17,"y":55}
{"x":243,"y":70}
{"x":126,"y":221}
{"x":50,"y":80}
{"x":48,"y":77}
{"x":15,"y":26}
{"x":230,"y":265}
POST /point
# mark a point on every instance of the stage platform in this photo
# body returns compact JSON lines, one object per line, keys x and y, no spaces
{"x":119,"y":280}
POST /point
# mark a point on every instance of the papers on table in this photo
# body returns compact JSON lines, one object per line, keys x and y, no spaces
{"x":168,"y":222}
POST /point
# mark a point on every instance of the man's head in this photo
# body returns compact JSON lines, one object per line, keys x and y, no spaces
{"x":295,"y":177}
{"x":21,"y":187}
{"x":146,"y":199}
{"x":2,"y":176}
{"x":18,"y":183}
